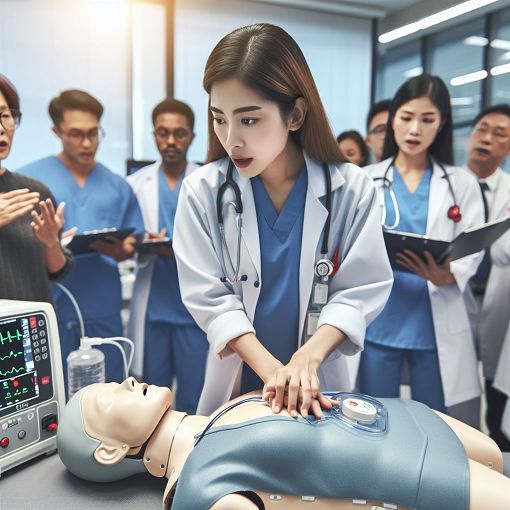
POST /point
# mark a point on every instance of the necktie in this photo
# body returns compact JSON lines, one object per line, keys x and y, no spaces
{"x":479,"y":280}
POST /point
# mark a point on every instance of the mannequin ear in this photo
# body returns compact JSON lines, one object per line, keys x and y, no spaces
{"x":109,"y":455}
{"x":298,"y":115}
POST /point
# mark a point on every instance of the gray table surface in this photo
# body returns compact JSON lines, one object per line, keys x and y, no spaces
{"x":45,"y":484}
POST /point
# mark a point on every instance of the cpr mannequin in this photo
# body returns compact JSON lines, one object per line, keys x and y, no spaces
{"x":111,"y":431}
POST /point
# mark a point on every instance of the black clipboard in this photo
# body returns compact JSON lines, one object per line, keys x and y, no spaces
{"x":470,"y":241}
{"x":81,"y":243}
{"x":147,"y":246}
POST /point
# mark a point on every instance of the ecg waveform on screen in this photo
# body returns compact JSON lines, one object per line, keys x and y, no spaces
{"x":11,"y":354}
{"x":10,"y":337}
{"x":12,"y":371}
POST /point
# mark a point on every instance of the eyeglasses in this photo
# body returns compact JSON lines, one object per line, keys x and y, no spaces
{"x":497,"y":133}
{"x":163,"y":134}
{"x":77,"y":137}
{"x":380,"y":129}
{"x":10,"y":118}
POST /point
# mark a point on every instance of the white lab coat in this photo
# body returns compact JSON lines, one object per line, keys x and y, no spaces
{"x":145,"y":184}
{"x":357,"y":292}
{"x":500,"y":255}
{"x":455,"y":346}
{"x":490,"y":317}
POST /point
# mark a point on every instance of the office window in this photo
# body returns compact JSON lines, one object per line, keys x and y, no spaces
{"x":337,"y":48}
{"x":50,"y":46}
{"x":395,"y":66}
{"x":460,"y":143}
{"x":500,"y":59}
{"x":456,"y":54}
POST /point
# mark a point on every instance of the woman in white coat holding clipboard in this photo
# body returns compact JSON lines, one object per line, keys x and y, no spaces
{"x":425,"y":322}
{"x":278,"y":242}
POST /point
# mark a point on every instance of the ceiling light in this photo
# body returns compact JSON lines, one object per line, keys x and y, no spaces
{"x":434,"y":19}
{"x":500,"y":44}
{"x":469,"y":78}
{"x":476,"y":40}
{"x":415,"y":71}
{"x":503,"y":69}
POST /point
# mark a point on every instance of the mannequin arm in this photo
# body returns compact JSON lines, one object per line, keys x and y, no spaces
{"x":478,"y":446}
{"x":488,"y":490}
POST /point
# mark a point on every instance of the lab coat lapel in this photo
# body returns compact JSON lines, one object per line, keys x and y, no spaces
{"x":501,"y":200}
{"x":151,"y":202}
{"x":250,"y":226}
{"x":438,"y":195}
{"x":313,"y":225}
{"x":249,"y":230}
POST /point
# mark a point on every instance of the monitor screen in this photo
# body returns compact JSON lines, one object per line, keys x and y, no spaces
{"x":18,"y":376}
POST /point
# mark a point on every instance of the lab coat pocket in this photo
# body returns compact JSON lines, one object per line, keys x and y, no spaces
{"x":449,"y":308}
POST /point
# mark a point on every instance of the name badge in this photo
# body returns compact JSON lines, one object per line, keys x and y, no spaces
{"x":320,"y":294}
{"x":312,"y":321}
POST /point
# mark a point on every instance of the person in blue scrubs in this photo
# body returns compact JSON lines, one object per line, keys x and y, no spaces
{"x":283,"y":294}
{"x":418,"y":142}
{"x":95,"y":198}
{"x":167,"y":337}
{"x":280,"y":247}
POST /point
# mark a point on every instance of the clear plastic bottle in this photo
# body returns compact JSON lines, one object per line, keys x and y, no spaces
{"x":84,"y":366}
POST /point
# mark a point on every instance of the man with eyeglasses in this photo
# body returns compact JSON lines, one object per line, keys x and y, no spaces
{"x":488,"y":294}
{"x":96,"y":198}
{"x":169,"y":343}
{"x":377,"y":119}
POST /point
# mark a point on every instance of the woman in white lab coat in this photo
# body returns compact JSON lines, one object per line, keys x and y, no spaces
{"x":424,"y":323}
{"x":287,"y":292}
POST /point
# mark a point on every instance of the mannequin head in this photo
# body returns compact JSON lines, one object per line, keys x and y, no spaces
{"x":98,"y":431}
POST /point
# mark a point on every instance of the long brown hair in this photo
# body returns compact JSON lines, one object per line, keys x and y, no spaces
{"x":266,"y":59}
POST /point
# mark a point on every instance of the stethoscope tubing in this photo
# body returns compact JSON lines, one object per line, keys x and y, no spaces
{"x":237,"y":204}
{"x":387,"y":184}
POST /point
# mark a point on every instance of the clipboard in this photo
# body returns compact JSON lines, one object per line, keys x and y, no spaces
{"x":470,"y":241}
{"x":148,"y":246}
{"x":81,"y":243}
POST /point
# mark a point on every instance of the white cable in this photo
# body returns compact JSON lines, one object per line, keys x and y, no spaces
{"x":131,"y":345}
{"x":85,"y":341}
{"x":75,"y":304}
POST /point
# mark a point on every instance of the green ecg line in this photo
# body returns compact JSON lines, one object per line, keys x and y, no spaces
{"x":9,"y":338}
{"x":12,"y":354}
{"x":14,"y":370}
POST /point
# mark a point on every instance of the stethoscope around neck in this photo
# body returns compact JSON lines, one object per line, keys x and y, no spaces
{"x":323,"y":267}
{"x":453,"y":213}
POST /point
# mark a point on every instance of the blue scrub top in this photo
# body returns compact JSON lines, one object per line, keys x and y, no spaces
{"x":105,"y":201}
{"x":406,"y":321}
{"x":276,"y":320}
{"x":165,"y":303}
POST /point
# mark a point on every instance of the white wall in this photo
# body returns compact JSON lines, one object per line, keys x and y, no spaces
{"x":337,"y":48}
{"x":47,"y":46}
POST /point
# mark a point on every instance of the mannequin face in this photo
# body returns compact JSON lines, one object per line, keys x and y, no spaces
{"x":124,"y":414}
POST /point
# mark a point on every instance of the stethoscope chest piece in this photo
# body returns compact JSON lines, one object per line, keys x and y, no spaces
{"x":324,"y":268}
{"x":454,"y":213}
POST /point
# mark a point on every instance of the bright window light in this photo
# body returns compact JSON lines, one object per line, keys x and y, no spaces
{"x":469,"y":78}
{"x":503,"y":69}
{"x":434,"y":19}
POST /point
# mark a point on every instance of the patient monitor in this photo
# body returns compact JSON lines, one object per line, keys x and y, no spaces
{"x":31,"y":381}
